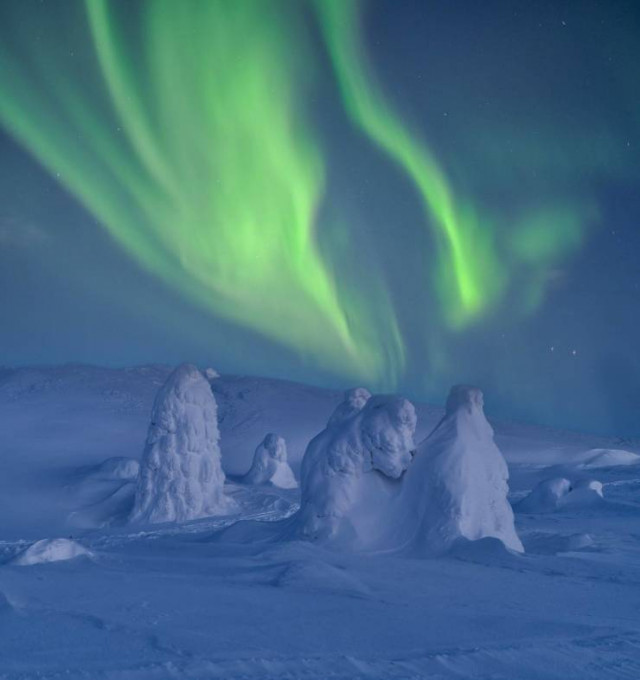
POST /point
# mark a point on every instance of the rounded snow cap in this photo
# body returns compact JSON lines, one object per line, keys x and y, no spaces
{"x":211,"y":374}
{"x":50,"y":550}
{"x":357,"y":397}
{"x":276,"y":446}
{"x":464,"y":397}
{"x":353,"y":402}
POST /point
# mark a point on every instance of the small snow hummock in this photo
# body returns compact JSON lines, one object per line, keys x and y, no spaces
{"x":349,"y":470}
{"x":270,"y":464}
{"x":557,"y":493}
{"x":118,"y":468}
{"x":457,"y":485}
{"x":211,"y":374}
{"x":50,"y":550}
{"x":181,"y":477}
{"x":545,"y":497}
{"x":597,"y":458}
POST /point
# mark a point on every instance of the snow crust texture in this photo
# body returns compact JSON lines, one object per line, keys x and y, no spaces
{"x":457,"y":486}
{"x":349,"y":468}
{"x":181,"y":476}
{"x":270,"y":464}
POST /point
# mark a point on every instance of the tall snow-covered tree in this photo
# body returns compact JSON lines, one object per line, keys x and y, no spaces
{"x":181,"y":476}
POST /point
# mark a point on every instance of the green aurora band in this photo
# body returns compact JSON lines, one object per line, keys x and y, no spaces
{"x":184,"y":127}
{"x":197,"y":157}
{"x":468,"y":274}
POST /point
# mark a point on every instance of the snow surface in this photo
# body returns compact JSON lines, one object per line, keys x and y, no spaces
{"x":181,"y":476}
{"x":174,"y":601}
{"x":270,"y":464}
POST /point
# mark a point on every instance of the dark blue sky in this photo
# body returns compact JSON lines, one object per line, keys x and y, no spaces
{"x":524,"y":104}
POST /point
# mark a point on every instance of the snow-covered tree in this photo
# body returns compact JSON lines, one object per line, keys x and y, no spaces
{"x":270,"y":464}
{"x":349,"y":469}
{"x":181,"y":477}
{"x":457,"y":484}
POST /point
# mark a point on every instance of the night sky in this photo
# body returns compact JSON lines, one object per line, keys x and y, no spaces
{"x":401,"y":194}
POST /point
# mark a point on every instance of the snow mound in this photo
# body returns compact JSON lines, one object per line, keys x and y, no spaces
{"x":50,"y":550}
{"x":457,"y":486}
{"x":584,"y":493}
{"x":596,"y":458}
{"x":317,"y":575}
{"x":181,"y":477}
{"x":211,"y":374}
{"x":118,"y":468}
{"x":270,"y":464}
{"x":545,"y":497}
{"x":551,"y":544}
{"x":559,"y":493}
{"x":349,"y":470}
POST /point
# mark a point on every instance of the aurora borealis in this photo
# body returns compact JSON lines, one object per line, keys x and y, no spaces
{"x":388,"y":193}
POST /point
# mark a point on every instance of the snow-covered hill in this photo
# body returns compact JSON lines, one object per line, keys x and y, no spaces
{"x":187,"y":600}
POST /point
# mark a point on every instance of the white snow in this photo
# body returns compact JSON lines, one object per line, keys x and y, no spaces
{"x":211,"y":374}
{"x":119,"y":467}
{"x":50,"y":550}
{"x":597,"y":458}
{"x":348,"y":468}
{"x":181,"y":476}
{"x":561,"y":493}
{"x":270,"y":464}
{"x":175,"y":600}
{"x":457,"y":486}
{"x":546,"y":496}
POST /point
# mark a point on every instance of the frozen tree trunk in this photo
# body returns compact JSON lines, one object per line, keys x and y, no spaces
{"x":181,"y":477}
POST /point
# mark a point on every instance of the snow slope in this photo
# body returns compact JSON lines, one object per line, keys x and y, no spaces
{"x":174,"y":601}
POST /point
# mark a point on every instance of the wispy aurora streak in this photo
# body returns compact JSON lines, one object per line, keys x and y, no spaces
{"x":469,"y":276}
{"x":195,"y":153}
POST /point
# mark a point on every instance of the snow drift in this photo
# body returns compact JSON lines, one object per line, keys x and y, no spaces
{"x":181,"y":477}
{"x":597,"y":458}
{"x":270,"y":464}
{"x":559,"y":493}
{"x":457,"y":485}
{"x":546,"y":496}
{"x":50,"y":550}
{"x":349,"y":469}
{"x":117,"y":468}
